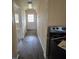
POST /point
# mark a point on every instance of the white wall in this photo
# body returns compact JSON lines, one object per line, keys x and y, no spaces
{"x":42,"y":19}
{"x":20,"y":32}
{"x":50,"y":13}
{"x":22,"y":21}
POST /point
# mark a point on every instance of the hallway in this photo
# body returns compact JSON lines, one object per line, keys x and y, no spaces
{"x":30,"y":48}
{"x":30,"y":22}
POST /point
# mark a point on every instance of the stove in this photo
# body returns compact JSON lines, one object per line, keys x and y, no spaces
{"x":55,"y":35}
{"x":56,"y":29}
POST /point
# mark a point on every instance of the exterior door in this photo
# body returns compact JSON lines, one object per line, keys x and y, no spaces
{"x":31,"y":22}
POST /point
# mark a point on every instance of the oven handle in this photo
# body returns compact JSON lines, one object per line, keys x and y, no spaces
{"x":58,"y":38}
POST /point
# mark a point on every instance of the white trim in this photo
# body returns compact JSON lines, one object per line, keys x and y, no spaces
{"x":42,"y":47}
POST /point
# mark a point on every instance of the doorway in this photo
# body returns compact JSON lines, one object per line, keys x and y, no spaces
{"x":17,"y":24}
{"x":31,"y":21}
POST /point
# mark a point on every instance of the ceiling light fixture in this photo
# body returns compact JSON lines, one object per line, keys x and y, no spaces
{"x":30,"y":5}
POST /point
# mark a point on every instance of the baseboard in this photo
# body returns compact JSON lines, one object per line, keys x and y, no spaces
{"x":42,"y":48}
{"x":44,"y":55}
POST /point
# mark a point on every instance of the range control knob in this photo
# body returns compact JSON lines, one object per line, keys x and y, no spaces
{"x":63,"y":28}
{"x":57,"y":28}
{"x":53,"y":28}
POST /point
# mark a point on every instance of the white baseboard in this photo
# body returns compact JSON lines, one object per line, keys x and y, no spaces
{"x":42,"y":48}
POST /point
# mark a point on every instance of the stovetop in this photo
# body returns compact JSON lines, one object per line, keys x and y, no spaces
{"x":57,"y":29}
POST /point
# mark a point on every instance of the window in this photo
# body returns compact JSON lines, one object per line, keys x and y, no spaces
{"x":16,"y":18}
{"x":30,"y":18}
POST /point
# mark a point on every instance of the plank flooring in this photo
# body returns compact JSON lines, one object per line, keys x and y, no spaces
{"x":30,"y":48}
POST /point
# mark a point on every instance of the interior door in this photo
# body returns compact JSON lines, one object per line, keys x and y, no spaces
{"x":31,"y":22}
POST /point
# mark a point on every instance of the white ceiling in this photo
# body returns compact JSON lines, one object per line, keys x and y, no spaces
{"x":24,"y":3}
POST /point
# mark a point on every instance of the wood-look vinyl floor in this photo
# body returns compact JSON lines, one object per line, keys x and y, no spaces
{"x":30,"y":48}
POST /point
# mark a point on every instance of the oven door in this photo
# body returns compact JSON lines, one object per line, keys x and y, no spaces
{"x":56,"y":52}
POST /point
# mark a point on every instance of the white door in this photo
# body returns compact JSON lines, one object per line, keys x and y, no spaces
{"x":31,"y":22}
